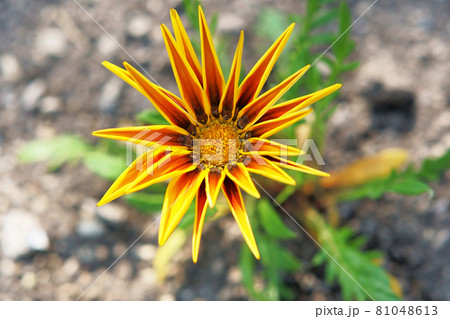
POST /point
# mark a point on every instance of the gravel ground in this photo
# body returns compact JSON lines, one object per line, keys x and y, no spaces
{"x":55,"y":242}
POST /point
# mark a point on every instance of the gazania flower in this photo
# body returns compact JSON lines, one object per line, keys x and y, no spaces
{"x":217,"y":134}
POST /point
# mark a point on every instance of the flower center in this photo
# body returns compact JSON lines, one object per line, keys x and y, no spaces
{"x":217,"y":144}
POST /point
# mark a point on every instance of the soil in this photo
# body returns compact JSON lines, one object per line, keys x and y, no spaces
{"x":52,"y":82}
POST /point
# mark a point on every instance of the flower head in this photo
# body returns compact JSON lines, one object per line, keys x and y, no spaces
{"x":217,"y":134}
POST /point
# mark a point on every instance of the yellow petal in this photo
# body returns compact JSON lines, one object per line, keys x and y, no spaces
{"x":254,"y":110}
{"x":171,"y":165}
{"x":297,"y":104}
{"x":123,"y":74}
{"x":241,"y":177}
{"x":268,"y":128}
{"x":234,"y":198}
{"x":164,"y":135}
{"x":296,"y":166}
{"x":230,"y":94}
{"x":214,"y":182}
{"x":200,"y":212}
{"x":179,"y":195}
{"x":213,"y":81}
{"x":267,"y":147}
{"x":188,"y":84}
{"x":185,"y":44}
{"x":260,"y":165}
{"x":145,"y":162}
{"x":256,"y":78}
{"x":163,"y":102}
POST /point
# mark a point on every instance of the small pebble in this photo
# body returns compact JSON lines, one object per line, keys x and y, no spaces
{"x":28,"y":280}
{"x":21,"y":234}
{"x":112,"y":213}
{"x":50,"y":104}
{"x":51,"y":42}
{"x":109,"y":96}
{"x":90,"y":228}
{"x":146,"y":252}
{"x":10,"y":68}
{"x":32,"y":93}
{"x":139,"y":24}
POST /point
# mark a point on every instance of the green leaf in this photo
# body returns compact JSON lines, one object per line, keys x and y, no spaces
{"x":57,"y":151}
{"x":323,"y":38}
{"x":433,"y":168}
{"x":326,"y":18}
{"x":272,"y":222}
{"x":345,"y":249}
{"x":105,"y":165}
{"x":191,"y":10}
{"x":151,"y":117}
{"x":271,"y":24}
{"x":286,"y":260}
{"x":247,"y":266}
{"x":146,"y":202}
{"x":349,"y":66}
{"x":408,"y":187}
{"x":342,"y":48}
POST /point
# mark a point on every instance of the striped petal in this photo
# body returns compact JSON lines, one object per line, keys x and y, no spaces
{"x":200,"y":213}
{"x":297,"y":104}
{"x":261,"y":166}
{"x":164,"y":135}
{"x":296,"y":166}
{"x":145,"y":162}
{"x":241,"y":177}
{"x":234,"y":198}
{"x":266,"y":147}
{"x":171,"y":165}
{"x":256,"y":78}
{"x":188,"y":83}
{"x":167,"y":105}
{"x":230,"y":94}
{"x":185,"y":44}
{"x":214,"y":181}
{"x":179,"y":195}
{"x":255,"y":109}
{"x":268,"y":128}
{"x":213,"y":81}
{"x":124,"y":75}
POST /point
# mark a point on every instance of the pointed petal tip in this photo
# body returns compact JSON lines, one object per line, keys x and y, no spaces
{"x":161,"y":239}
{"x":194,"y":253}
{"x":103,"y":201}
{"x":255,"y":251}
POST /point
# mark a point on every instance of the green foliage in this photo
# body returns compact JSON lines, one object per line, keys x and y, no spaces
{"x":146,"y":202}
{"x":221,"y":44}
{"x":276,"y":260}
{"x":69,"y":149}
{"x":272,"y":222}
{"x":361,"y":265}
{"x":323,"y":27}
{"x":105,"y":165}
{"x":191,"y":10}
{"x":409,"y":182}
{"x":55,"y":151}
{"x":151,"y":117}
{"x":432,"y":169}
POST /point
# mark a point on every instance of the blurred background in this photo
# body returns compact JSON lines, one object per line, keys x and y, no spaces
{"x":55,"y":242}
